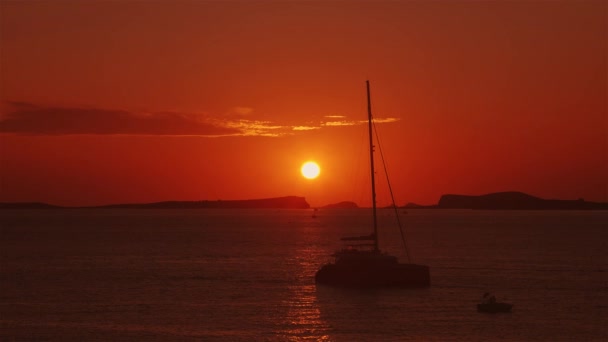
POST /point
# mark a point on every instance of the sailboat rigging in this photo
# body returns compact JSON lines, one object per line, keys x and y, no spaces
{"x":358,"y":266}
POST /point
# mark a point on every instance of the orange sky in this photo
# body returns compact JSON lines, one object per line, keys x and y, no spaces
{"x":128,"y":101}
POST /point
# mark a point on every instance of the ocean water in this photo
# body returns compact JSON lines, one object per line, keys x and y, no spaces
{"x":248,"y":275}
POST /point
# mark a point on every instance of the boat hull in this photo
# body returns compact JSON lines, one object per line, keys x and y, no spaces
{"x":370,"y":276}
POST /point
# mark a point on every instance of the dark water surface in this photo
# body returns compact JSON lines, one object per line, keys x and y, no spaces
{"x":231,"y":275}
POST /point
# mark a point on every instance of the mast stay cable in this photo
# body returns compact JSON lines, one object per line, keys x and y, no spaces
{"x":407,"y":253}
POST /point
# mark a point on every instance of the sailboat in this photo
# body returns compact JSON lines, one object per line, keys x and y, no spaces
{"x":361,"y":264}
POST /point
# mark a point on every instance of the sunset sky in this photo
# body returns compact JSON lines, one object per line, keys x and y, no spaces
{"x":140,"y":101}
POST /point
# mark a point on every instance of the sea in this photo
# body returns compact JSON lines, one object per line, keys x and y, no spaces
{"x":248,"y":275}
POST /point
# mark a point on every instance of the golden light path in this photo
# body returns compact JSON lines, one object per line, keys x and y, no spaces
{"x":310,"y":170}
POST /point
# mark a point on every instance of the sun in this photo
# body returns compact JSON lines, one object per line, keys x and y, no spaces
{"x":310,"y":170}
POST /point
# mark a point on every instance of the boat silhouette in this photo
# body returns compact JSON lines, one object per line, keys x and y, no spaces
{"x":361,"y":263}
{"x":490,"y":305}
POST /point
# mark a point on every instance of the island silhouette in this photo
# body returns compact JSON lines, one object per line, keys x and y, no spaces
{"x":287,"y":202}
{"x":341,"y":205}
{"x":509,"y":200}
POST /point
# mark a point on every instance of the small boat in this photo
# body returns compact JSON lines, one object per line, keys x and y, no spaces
{"x":363,"y":264}
{"x":490,"y":305}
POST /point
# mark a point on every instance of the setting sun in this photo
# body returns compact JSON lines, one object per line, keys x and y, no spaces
{"x":310,"y":170}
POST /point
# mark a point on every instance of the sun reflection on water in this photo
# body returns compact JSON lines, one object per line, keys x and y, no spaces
{"x":303,"y":316}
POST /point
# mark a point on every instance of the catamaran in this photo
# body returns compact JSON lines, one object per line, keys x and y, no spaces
{"x":363,"y":264}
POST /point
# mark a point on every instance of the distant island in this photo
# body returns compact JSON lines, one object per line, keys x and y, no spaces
{"x":28,"y":205}
{"x":341,"y":205}
{"x":288,"y":202}
{"x":510,"y":200}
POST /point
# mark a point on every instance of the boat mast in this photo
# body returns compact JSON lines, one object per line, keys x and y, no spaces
{"x":371,"y":159}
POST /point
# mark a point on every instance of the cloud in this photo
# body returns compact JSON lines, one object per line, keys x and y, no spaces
{"x":358,"y":122}
{"x":341,"y":123}
{"x":27,"y":118}
{"x":255,"y":128}
{"x":384,"y":120}
{"x":304,"y":128}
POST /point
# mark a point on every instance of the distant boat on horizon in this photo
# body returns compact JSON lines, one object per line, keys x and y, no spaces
{"x":364,"y":265}
{"x":490,"y":305}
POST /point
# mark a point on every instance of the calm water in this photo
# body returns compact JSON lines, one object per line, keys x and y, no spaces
{"x":225,"y":275}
